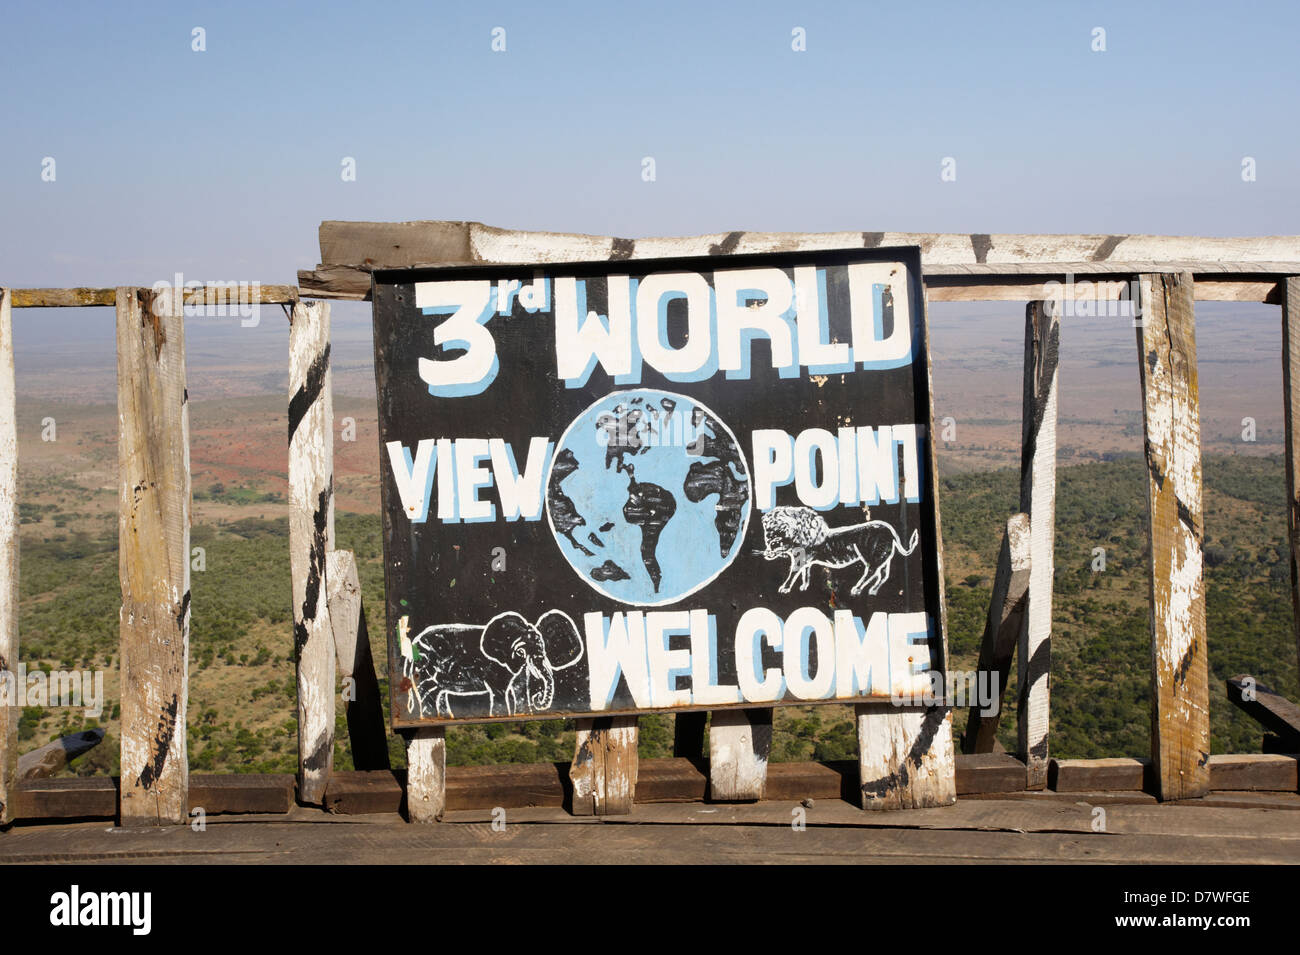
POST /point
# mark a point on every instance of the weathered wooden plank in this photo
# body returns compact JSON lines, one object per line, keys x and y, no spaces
{"x":68,"y":797}
{"x":311,"y":538}
{"x":604,"y":770}
{"x":1100,"y":775}
{"x":1002,"y":631}
{"x":350,"y":282}
{"x":251,"y":293}
{"x":10,"y":711}
{"x":52,"y":757}
{"x":63,"y":297}
{"x":394,"y":244}
{"x":1261,"y":772}
{"x":345,"y":282}
{"x":349,"y":250}
{"x":799,"y":782}
{"x":363,"y":792}
{"x":96,"y":797}
{"x":356,"y":665}
{"x":968,"y":288}
{"x":740,"y":742}
{"x":417,"y":243}
{"x":1291,"y":415}
{"x":1180,"y":695}
{"x":1038,"y":500}
{"x":259,"y":793}
{"x":667,"y":780}
{"x":687,"y":834}
{"x":983,"y":773}
{"x":673,"y":779}
{"x":1271,"y":709}
{"x":1108,"y":272}
{"x":154,"y":555}
{"x":426,"y":774}
{"x":905,"y":757}
{"x":1244,"y":800}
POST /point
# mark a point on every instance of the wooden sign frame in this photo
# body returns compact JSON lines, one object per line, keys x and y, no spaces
{"x":831,"y":564}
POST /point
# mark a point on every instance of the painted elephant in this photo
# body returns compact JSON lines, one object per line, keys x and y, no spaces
{"x":510,"y":660}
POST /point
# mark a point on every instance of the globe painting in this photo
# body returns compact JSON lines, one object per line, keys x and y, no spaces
{"x":648,"y":496}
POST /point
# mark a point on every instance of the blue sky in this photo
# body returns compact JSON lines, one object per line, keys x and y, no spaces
{"x":222,"y":163}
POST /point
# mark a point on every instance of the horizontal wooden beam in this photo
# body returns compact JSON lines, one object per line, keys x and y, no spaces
{"x":670,"y":780}
{"x":96,"y":797}
{"x":674,"y":779}
{"x":217,"y":793}
{"x":1099,"y":775}
{"x":982,"y":773}
{"x":352,"y":283}
{"x":405,"y":244}
{"x":957,"y":267}
{"x":249,"y":294}
{"x":67,"y":797}
{"x":1097,"y":287}
{"x":1270,"y":709}
{"x":1256,"y":772}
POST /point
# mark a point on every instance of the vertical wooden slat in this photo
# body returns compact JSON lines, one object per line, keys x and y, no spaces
{"x":905,"y":757}
{"x":8,"y":565}
{"x":1001,"y":631}
{"x":1038,"y":500}
{"x":1180,"y":692}
{"x":426,"y":774}
{"x":356,"y":665}
{"x":604,"y":766}
{"x":154,"y":554}
{"x":1291,"y":412}
{"x":311,"y":538}
{"x":740,"y":742}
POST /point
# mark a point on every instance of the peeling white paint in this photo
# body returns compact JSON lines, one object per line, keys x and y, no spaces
{"x":311,"y":470}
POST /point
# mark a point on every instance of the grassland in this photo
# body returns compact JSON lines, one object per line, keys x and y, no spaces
{"x":242,"y":675}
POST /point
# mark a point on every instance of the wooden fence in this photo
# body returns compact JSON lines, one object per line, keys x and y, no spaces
{"x":906,"y":757}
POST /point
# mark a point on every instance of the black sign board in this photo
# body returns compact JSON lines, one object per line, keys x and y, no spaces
{"x":658,"y":484}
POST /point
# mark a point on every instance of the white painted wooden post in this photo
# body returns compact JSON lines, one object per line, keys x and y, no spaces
{"x":1180,"y":690}
{"x":1038,"y":500}
{"x":740,"y":742}
{"x":604,"y":768}
{"x":311,"y":538}
{"x":426,"y":774}
{"x":905,"y":757}
{"x":9,"y":708}
{"x":1291,"y":413}
{"x":154,"y":555}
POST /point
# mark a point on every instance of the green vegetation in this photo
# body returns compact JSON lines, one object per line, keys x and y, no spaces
{"x":241,"y":494}
{"x":241,"y":710}
{"x":1101,"y":693}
